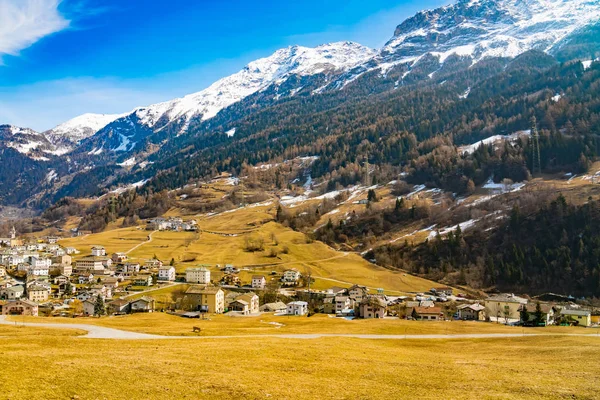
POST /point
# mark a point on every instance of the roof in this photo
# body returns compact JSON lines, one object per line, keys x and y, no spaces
{"x":297,"y":303}
{"x":145,"y":299}
{"x":428,"y":310}
{"x":244,"y":302}
{"x":202,"y":269}
{"x":375,"y":300}
{"x":507,"y":298}
{"x":24,"y":301}
{"x":582,"y":313}
{"x":258,"y":277}
{"x":119,"y":302}
{"x":199,"y":289}
{"x":247,"y":296}
{"x":474,"y":307}
{"x":278,"y":305}
{"x":532,"y":307}
{"x":94,"y":258}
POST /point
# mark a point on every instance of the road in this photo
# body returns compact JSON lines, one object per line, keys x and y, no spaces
{"x":100,"y":332}
{"x":141,"y":244}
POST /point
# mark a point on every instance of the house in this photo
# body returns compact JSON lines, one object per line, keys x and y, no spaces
{"x":343,"y":304}
{"x":12,"y":293}
{"x":39,"y":270}
{"x":130,"y":269}
{"x":120,"y":306}
{"x":83,"y":296}
{"x":143,"y":304}
{"x":166,"y":274}
{"x":85,"y":278}
{"x":372,"y":307}
{"x":65,"y":269}
{"x":246,"y":303}
{"x":277,"y":307}
{"x":38,"y":294}
{"x":52,"y":239}
{"x":471,"y":312}
{"x":259,"y":282}
{"x":154,"y":263}
{"x":427,"y":313}
{"x":20,"y":307}
{"x":111,"y":282}
{"x":204,"y":298}
{"x":61,"y":279}
{"x":290,"y":276}
{"x":578,"y":317}
{"x":297,"y":308}
{"x":197,"y":275}
{"x":98,"y":251}
{"x":118,"y":258}
{"x":504,"y":308}
{"x":101,"y":290}
{"x":329,"y":305}
{"x":142,"y":280}
{"x":71,"y":250}
{"x":230,"y":269}
{"x":89,"y":306}
{"x":357,"y":292}
{"x":93,"y":263}
{"x":62,"y":260}
{"x":336,"y":290}
{"x":547,"y":313}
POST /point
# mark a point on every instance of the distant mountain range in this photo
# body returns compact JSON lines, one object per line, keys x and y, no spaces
{"x":431,"y":43}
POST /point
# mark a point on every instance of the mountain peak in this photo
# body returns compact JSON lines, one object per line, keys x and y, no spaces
{"x":491,"y":28}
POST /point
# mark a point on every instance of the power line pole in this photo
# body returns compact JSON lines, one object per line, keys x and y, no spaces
{"x":536,"y":165}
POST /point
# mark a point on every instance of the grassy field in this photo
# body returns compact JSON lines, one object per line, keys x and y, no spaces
{"x":53,"y":364}
{"x":225,"y":325}
{"x":223,"y":240}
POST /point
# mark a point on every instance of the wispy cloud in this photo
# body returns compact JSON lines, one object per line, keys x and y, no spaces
{"x":24,"y":22}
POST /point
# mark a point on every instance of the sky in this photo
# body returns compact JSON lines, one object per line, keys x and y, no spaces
{"x":60,"y":59}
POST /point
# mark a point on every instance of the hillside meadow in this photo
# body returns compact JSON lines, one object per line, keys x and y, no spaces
{"x":55,"y":364}
{"x":223,"y":239}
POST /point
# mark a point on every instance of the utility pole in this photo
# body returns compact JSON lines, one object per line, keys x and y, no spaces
{"x":536,"y":165}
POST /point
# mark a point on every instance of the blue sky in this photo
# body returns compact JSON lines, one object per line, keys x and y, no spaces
{"x":60,"y":59}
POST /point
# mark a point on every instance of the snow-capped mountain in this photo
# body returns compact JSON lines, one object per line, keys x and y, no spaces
{"x":490,"y":28}
{"x":79,"y":128}
{"x":177,"y":115}
{"x":26,"y":141}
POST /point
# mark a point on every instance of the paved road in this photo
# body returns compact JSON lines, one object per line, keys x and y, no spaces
{"x":100,"y":332}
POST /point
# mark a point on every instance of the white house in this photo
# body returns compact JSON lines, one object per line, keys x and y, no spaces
{"x":197,"y":275}
{"x":259,"y":282}
{"x":166,"y":274}
{"x":291,"y":275}
{"x":297,"y":308}
{"x":98,"y":251}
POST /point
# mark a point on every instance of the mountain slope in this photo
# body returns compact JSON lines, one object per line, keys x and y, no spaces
{"x":70,"y":133}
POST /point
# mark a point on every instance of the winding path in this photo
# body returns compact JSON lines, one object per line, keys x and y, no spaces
{"x":101,"y":332}
{"x":141,"y":244}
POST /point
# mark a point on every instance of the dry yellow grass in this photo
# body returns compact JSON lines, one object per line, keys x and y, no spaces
{"x":225,"y":325}
{"x":59,"y":366}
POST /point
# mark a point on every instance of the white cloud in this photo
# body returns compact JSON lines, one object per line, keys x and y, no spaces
{"x":24,"y":22}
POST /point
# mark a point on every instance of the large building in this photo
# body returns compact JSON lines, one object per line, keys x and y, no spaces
{"x":166,"y":274}
{"x":210,"y":299}
{"x":504,"y":308}
{"x":197,"y":275}
{"x":20,"y":307}
{"x":93,"y":263}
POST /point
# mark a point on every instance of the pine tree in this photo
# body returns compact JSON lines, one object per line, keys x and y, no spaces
{"x":99,"y":306}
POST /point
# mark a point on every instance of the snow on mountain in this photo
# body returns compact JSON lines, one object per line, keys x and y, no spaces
{"x":256,"y":76}
{"x":80,"y":127}
{"x":490,"y":28}
{"x":24,"y":140}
